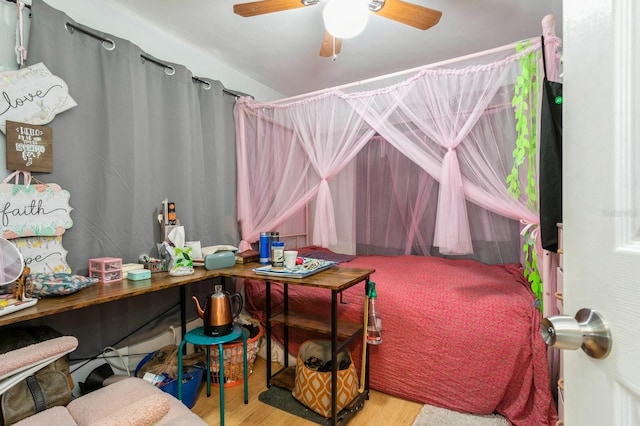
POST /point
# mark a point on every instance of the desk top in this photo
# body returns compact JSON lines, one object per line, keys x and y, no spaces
{"x":100,"y":292}
{"x":334,"y":279}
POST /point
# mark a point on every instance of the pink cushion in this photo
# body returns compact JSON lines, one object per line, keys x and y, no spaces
{"x":103,"y":402}
{"x":131,"y":401}
{"x":144,"y":412}
{"x":58,"y":416}
{"x":180,"y":415}
{"x":18,"y":359}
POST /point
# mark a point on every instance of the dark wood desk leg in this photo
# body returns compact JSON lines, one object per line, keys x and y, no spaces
{"x":334,"y":355}
{"x":268,"y":321}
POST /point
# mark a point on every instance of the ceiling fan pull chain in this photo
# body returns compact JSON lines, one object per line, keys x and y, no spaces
{"x":334,"y":56}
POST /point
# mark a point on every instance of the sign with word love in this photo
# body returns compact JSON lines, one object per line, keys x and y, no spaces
{"x":32,"y":95}
{"x":34,"y":210}
{"x":29,"y":147}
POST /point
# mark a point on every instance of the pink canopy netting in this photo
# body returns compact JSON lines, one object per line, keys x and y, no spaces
{"x":418,"y":167}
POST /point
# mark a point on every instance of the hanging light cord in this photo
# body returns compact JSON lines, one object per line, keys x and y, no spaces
{"x":21,"y":51}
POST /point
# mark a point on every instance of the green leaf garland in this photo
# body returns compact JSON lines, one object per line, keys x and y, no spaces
{"x":524,"y":155}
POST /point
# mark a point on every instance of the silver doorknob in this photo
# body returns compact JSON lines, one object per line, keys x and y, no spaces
{"x":587,"y":331}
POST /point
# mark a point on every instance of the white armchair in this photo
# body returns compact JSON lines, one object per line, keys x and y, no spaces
{"x":131,"y":401}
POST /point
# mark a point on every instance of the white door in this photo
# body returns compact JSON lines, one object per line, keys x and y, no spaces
{"x":601,"y":194}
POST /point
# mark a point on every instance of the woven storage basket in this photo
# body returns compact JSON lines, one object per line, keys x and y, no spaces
{"x":153,"y":267}
{"x":233,"y":358}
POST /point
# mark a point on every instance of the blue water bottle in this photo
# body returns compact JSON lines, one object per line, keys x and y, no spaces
{"x":265,"y":248}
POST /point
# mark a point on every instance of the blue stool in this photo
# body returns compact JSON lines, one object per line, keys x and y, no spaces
{"x":197,"y":337}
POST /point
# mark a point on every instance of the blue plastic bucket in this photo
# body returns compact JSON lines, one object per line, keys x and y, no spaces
{"x":191,"y":381}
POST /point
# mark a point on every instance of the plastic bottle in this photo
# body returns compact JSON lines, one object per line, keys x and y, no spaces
{"x":265,"y":248}
{"x":374,"y":322}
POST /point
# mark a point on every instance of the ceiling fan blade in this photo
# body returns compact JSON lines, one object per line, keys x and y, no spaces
{"x":327,"y":50}
{"x":410,"y":14}
{"x":265,"y":6}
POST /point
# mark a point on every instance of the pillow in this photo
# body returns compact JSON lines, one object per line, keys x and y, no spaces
{"x":59,"y":284}
{"x":145,"y":412}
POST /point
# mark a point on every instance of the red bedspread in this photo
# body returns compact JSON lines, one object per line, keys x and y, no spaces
{"x":457,"y":334}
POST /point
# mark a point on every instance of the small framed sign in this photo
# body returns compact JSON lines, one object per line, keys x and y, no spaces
{"x":29,"y":147}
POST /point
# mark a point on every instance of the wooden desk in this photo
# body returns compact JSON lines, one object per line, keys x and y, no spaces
{"x":333,"y":279}
{"x":99,"y":293}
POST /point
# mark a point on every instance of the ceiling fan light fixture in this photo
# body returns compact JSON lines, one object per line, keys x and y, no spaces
{"x":345,"y":18}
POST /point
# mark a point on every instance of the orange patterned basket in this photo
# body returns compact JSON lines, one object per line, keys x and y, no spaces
{"x":233,"y":358}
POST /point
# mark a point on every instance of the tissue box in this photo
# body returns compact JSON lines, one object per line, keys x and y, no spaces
{"x":222,"y":259}
{"x":138,"y":275}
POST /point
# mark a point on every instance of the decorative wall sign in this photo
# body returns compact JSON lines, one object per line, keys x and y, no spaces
{"x":34,"y":210}
{"x":32,"y":95}
{"x":29,"y":147}
{"x":43,"y":254}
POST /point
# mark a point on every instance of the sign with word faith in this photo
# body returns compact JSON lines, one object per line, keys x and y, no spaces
{"x":34,"y":210}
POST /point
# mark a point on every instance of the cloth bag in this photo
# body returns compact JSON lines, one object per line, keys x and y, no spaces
{"x":313,"y":388}
{"x":48,"y":387}
{"x":165,"y":361}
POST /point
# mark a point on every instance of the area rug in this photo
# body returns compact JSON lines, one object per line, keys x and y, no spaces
{"x":429,"y":415}
{"x":284,"y":400}
{"x":436,"y":416}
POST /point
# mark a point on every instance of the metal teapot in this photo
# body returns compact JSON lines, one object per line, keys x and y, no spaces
{"x":218,"y":314}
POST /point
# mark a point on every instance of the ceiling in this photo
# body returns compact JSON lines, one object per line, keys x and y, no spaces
{"x":281,"y":50}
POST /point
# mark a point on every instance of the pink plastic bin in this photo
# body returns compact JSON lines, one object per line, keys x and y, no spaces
{"x":106,"y":269}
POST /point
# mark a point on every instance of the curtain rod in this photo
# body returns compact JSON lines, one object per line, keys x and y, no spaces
{"x":548,"y":29}
{"x":145,"y":57}
{"x":397,"y":74}
{"x":170,"y":70}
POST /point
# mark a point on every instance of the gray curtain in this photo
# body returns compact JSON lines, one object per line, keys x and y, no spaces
{"x":138,"y":135}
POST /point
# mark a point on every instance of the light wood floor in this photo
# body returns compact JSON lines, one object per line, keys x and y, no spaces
{"x":380,"y":409}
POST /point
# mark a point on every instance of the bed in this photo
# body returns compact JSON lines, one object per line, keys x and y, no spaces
{"x":457,"y":334}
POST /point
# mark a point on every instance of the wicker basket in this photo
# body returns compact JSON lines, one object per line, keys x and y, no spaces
{"x":153,"y":267}
{"x":233,"y":358}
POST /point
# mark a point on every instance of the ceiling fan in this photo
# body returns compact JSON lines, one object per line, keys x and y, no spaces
{"x":398,"y":10}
